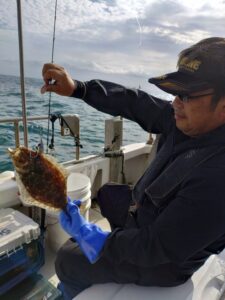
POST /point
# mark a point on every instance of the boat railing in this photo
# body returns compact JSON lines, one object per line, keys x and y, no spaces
{"x":16,"y":121}
{"x":70,"y":125}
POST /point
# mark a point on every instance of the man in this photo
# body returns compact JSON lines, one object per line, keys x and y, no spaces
{"x":180,"y":217}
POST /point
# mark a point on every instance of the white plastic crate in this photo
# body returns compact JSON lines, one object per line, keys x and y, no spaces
{"x":16,"y":229}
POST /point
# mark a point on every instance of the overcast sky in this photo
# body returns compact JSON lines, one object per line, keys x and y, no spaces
{"x":127,"y":41}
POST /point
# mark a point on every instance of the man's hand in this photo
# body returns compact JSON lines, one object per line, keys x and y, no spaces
{"x":89,"y":236}
{"x":71,"y":220}
{"x":57,"y":80}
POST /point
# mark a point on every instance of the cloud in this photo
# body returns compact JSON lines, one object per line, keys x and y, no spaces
{"x":119,"y":38}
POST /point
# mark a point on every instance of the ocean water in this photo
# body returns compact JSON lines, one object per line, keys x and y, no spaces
{"x":91,"y":122}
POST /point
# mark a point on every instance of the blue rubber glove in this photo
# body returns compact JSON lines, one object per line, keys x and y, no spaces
{"x":90,"y":237}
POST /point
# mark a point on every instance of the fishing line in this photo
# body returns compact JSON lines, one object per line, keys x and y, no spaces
{"x":140,"y":31}
{"x":140,"y":42}
{"x":52,"y":61}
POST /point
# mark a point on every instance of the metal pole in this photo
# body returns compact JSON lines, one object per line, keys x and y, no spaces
{"x":17,"y":133}
{"x":22,"y":81}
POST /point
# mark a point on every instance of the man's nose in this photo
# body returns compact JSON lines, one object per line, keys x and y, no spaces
{"x":177,"y":102}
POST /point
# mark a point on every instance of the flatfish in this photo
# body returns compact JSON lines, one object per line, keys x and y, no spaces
{"x":41,"y":180}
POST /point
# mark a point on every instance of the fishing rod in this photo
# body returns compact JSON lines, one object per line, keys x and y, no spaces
{"x":22,"y":81}
{"x":51,"y":146}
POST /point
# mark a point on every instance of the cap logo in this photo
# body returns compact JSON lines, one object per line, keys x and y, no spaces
{"x":161,"y":77}
{"x":190,"y":65}
{"x":171,"y":85}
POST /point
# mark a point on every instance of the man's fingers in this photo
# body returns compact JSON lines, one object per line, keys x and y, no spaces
{"x":43,"y":89}
{"x":52,"y":74}
{"x":49,"y":88}
{"x":49,"y":66}
{"x":57,"y":80}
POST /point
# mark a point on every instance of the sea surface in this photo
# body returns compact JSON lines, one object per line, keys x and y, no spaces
{"x":92,"y":122}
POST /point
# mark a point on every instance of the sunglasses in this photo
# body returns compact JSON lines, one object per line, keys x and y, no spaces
{"x":186,"y":98}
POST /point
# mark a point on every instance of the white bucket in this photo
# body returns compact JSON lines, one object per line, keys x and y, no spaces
{"x":8,"y":190}
{"x":78,"y":188}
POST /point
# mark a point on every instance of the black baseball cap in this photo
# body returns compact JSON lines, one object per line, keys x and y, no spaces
{"x":200,"y":67}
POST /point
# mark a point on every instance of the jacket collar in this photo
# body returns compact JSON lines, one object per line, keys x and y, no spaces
{"x":183,"y":142}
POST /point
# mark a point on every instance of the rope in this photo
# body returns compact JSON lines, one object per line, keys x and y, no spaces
{"x":52,"y":60}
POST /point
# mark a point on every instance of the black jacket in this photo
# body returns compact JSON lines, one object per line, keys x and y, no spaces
{"x":181,"y":219}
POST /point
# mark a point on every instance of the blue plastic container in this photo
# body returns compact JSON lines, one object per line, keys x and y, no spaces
{"x":21,"y":248}
{"x":35,"y":287}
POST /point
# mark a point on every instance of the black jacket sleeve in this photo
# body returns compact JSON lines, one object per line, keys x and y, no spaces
{"x":151,"y":113}
{"x":193,"y":221}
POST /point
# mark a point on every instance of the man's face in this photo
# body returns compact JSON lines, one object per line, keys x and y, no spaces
{"x":196,"y":116}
